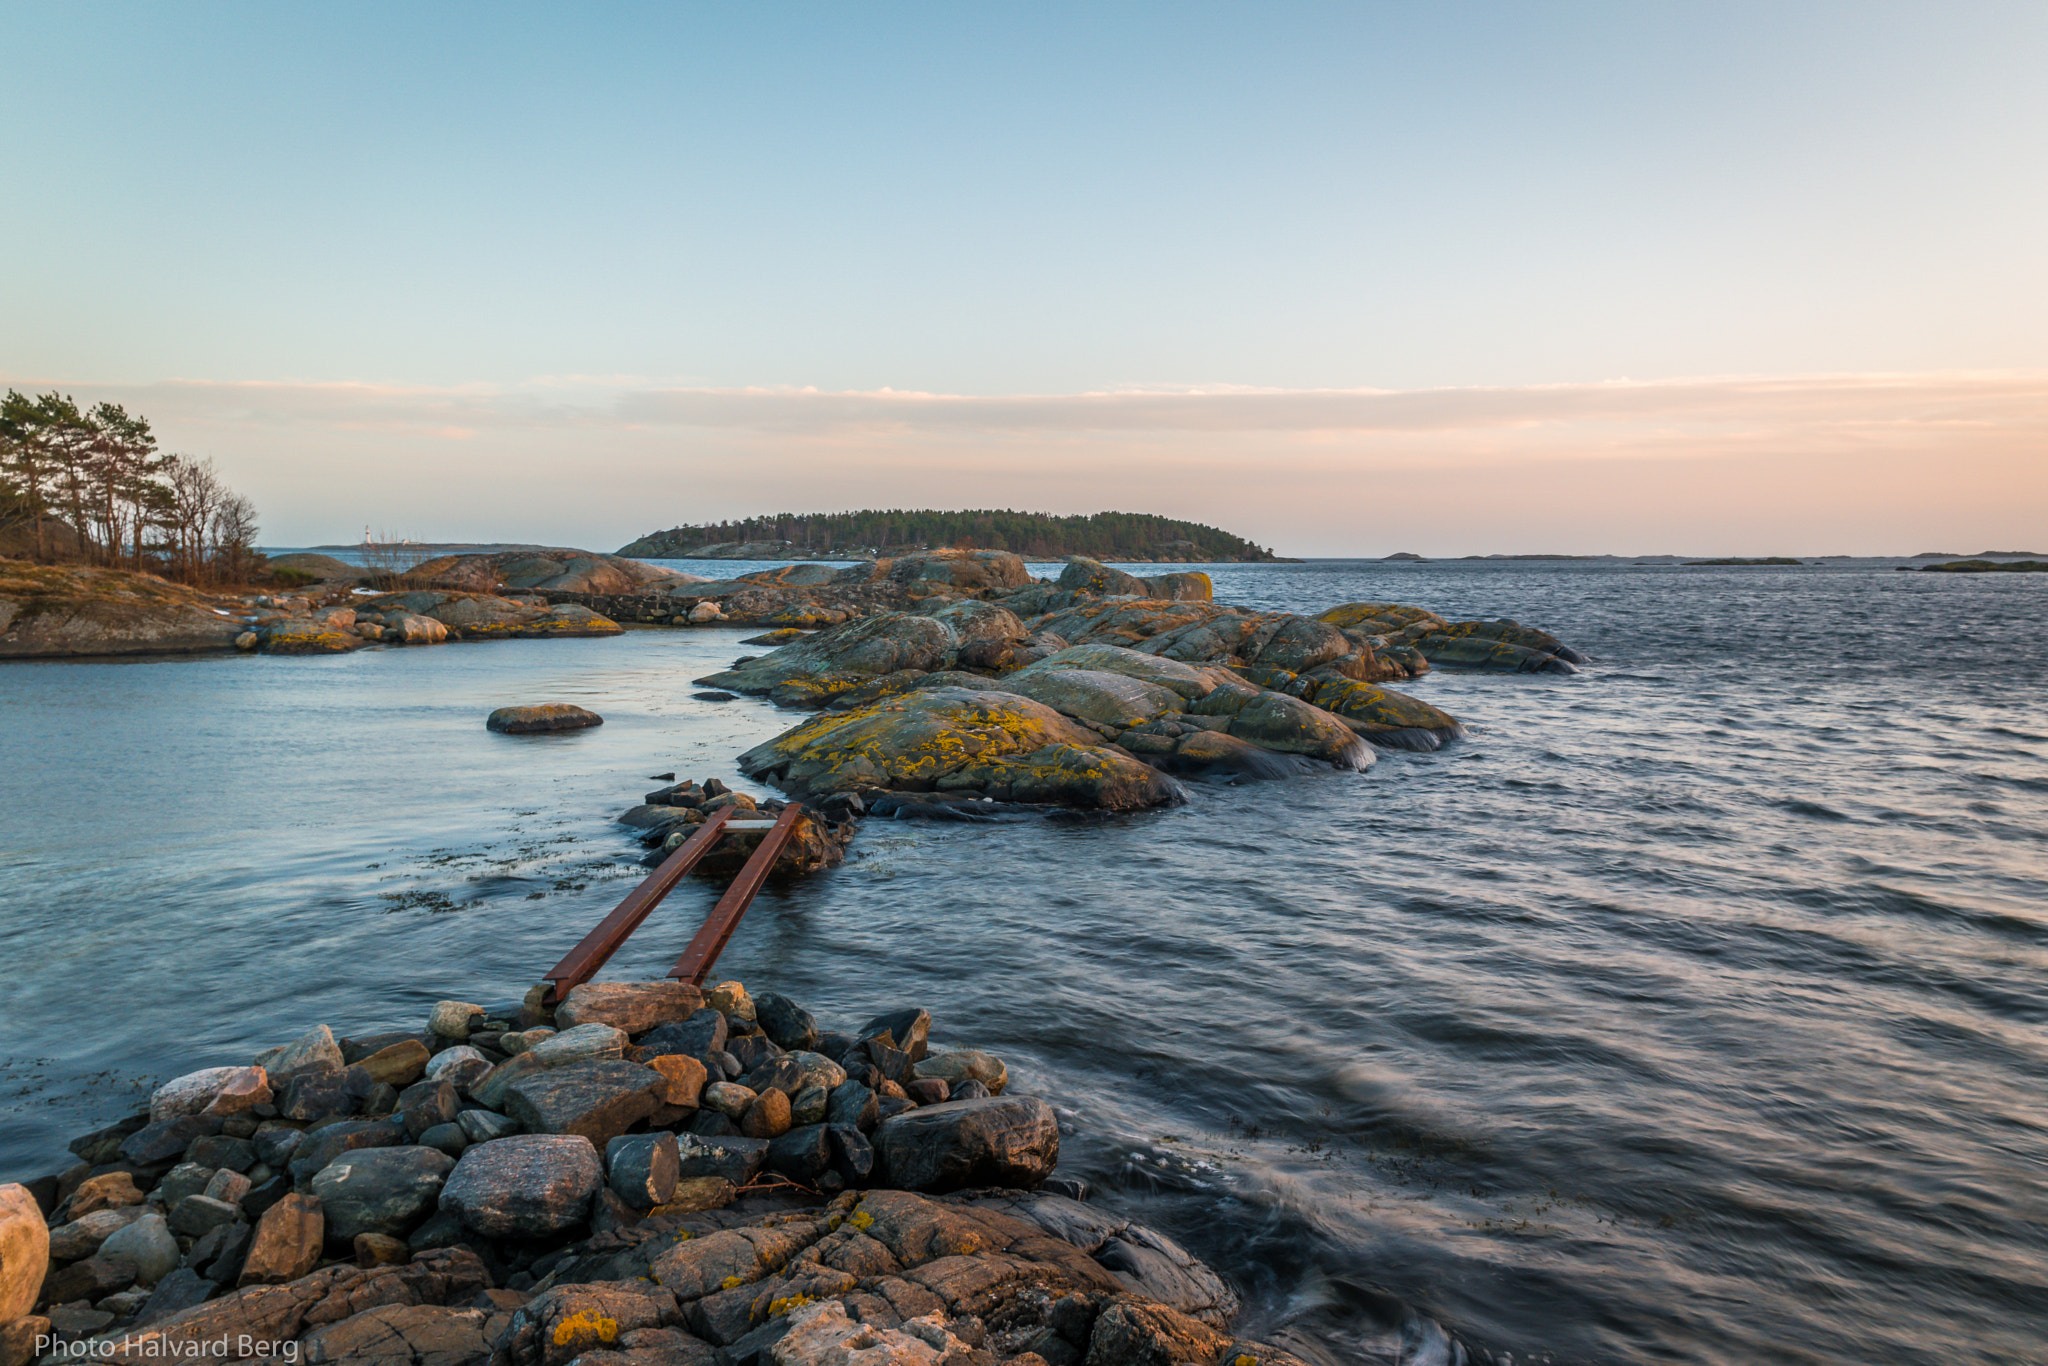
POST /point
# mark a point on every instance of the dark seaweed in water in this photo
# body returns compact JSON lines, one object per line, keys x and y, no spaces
{"x":1690,"y":1010}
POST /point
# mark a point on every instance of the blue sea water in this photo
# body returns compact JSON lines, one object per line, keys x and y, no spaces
{"x":1691,"y":1009}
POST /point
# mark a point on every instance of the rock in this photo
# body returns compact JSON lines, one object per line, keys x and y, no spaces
{"x":377,"y":1249}
{"x":428,"y":1104}
{"x":19,"y":1339}
{"x":597,"y":1100}
{"x":812,"y":671}
{"x":685,"y":1077}
{"x":584,"y":1043}
{"x":1288,"y":725}
{"x":175,"y":1293}
{"x":315,"y":1051}
{"x":453,"y":1019}
{"x":643,"y":1169}
{"x":446,"y":1138}
{"x":809,"y":1105}
{"x":927,"y":1090}
{"x":110,"y":1190}
{"x":294,"y":637}
{"x":969,"y":1090}
{"x":1188,"y":586}
{"x":994,"y":744}
{"x":332,"y":1140}
{"x":853,"y":1104}
{"x":481,"y":1126}
{"x":222,"y":1153}
{"x":409,"y":628}
{"x":49,"y":611}
{"x":1107,"y":699}
{"x":699,"y":1193}
{"x":94,"y":1278}
{"x":200,"y":1214}
{"x":768,"y":1116}
{"x":822,"y":1334}
{"x":792,"y":1072}
{"x":400,"y":1065}
{"x":966,"y":1064}
{"x":228,"y":1187}
{"x":318,"y":1095}
{"x":801,"y":1154}
{"x":195,"y":1091}
{"x":704,"y":612}
{"x":276,"y":1141}
{"x":1083,"y":575}
{"x":525,"y":1186}
{"x":727,"y":1098}
{"x":66,"y":1242}
{"x":545,"y":716}
{"x":909,"y":1030}
{"x":219,"y":1255}
{"x":288,"y":1242}
{"x":380,"y":1190}
{"x":25,"y":1249}
{"x":735,"y":1159}
{"x":729,"y":998}
{"x":163,"y":1140}
{"x":549,"y":569}
{"x":785,"y":1022}
{"x":183,"y":1181}
{"x":635,"y":1007}
{"x":1002,"y":1141}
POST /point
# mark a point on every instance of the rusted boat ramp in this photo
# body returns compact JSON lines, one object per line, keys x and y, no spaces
{"x":582,"y":963}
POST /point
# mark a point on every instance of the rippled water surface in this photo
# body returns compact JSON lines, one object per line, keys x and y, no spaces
{"x":1691,"y":1009}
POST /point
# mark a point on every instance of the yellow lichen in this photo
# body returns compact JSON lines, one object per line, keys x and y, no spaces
{"x":862,"y":1220}
{"x":732,"y":1283}
{"x":586,"y":1328}
{"x":786,"y":1304}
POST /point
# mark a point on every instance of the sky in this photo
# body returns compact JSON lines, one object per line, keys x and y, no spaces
{"x":1344,"y":279}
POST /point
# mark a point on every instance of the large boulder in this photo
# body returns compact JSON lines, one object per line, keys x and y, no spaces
{"x":148,"y":1245}
{"x":380,"y":1190}
{"x":1083,"y":575}
{"x":814,"y":670}
{"x":1107,"y":699}
{"x":525,"y":1186}
{"x":541,"y":716}
{"x":485,"y":616}
{"x":24,"y":1251}
{"x":634,"y":1007}
{"x":198,"y":1091}
{"x":955,"y":740}
{"x":995,"y":1141}
{"x":597,"y":1100}
{"x":288,"y":1242}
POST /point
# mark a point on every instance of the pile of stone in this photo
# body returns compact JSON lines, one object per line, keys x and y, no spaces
{"x":668,"y":816}
{"x":647,"y":1173}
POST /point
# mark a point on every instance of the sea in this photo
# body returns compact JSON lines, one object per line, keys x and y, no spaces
{"x":1691,"y":1008}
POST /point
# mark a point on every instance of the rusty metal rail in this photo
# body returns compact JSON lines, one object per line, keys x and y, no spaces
{"x":695,"y":964}
{"x":582,"y":962}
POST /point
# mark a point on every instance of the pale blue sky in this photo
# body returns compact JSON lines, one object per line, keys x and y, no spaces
{"x":973,"y":200}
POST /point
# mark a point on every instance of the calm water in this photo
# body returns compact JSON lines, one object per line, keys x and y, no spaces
{"x":1691,"y":1010}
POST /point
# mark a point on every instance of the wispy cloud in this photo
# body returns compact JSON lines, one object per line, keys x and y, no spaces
{"x":1733,"y":462}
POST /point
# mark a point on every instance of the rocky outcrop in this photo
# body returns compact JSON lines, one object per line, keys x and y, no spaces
{"x":1502,"y":646}
{"x":480,"y":616}
{"x":575,"y":571}
{"x":818,"y":668}
{"x":956,"y":740}
{"x":56,"y":611}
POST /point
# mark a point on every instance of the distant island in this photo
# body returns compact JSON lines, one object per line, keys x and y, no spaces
{"x":1768,"y":559}
{"x":875,"y":534}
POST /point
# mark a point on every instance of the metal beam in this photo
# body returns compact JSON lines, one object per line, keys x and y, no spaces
{"x":583,"y":961}
{"x":697,"y":960}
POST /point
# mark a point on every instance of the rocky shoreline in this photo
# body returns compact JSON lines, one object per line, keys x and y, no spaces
{"x":646,"y":1174}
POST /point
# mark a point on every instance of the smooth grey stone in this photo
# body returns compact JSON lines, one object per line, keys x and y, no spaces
{"x":642,"y":1169}
{"x":484,"y":1125}
{"x":525,"y":1186}
{"x":447,"y":1138}
{"x":380,"y":1190}
{"x":1002,"y":1141}
{"x":199,"y":1214}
